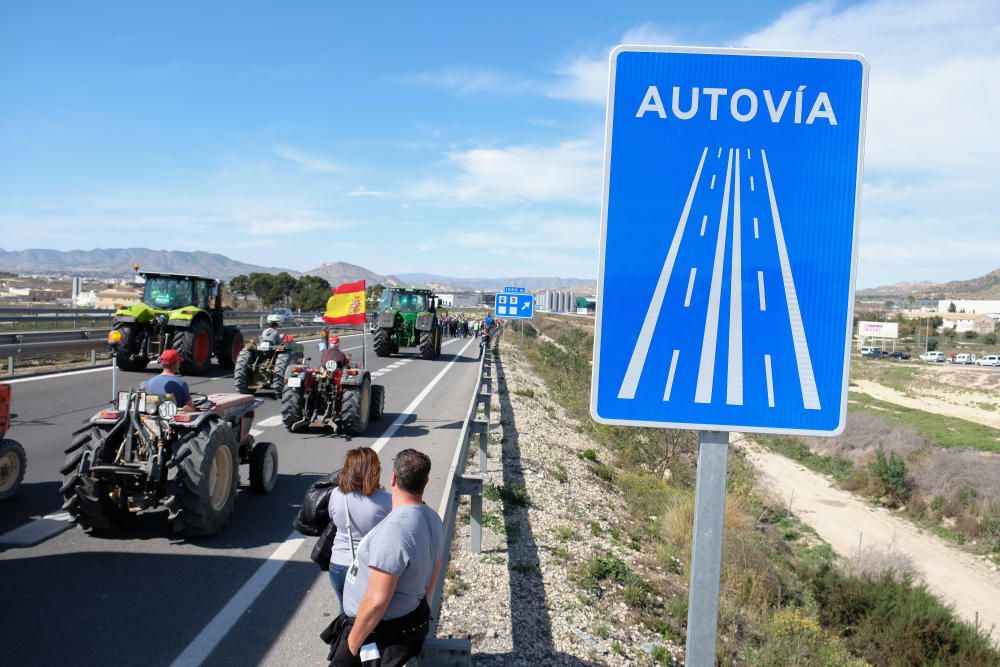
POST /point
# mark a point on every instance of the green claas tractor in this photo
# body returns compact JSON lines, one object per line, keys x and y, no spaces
{"x":180,"y":312}
{"x":407,"y":321}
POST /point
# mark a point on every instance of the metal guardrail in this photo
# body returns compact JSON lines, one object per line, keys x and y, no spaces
{"x":34,"y":344}
{"x":448,"y":651}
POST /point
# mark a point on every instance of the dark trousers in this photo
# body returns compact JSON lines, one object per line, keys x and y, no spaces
{"x":398,"y":639}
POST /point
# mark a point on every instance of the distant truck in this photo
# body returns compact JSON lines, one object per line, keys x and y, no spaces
{"x":965,"y":358}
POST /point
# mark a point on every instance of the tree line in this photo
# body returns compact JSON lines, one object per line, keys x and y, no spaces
{"x":308,"y":293}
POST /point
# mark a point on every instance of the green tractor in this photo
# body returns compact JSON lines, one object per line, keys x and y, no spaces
{"x":407,"y":322}
{"x":177,"y":311}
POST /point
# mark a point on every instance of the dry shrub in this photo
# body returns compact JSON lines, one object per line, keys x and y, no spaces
{"x":677,"y":524}
{"x":879,"y":562}
{"x":945,"y":472}
{"x":864,"y":434}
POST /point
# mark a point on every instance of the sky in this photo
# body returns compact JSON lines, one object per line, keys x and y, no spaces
{"x":462,"y":139}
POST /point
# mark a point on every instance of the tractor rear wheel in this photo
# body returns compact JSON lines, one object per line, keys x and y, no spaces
{"x":89,"y":500}
{"x":383,"y":342}
{"x":12,"y":465}
{"x":281,"y":365}
{"x":427,"y":343}
{"x":195,"y":347}
{"x":232,"y":345}
{"x":292,"y":406}
{"x":378,"y":403}
{"x":129,"y":357}
{"x":263,"y":467}
{"x":203,"y":490}
{"x":356,"y":407}
{"x":243,"y":372}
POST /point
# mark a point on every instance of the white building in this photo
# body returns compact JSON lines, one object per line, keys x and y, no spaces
{"x":978,"y":306}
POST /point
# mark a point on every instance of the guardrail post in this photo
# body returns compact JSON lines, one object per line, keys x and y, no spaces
{"x":472,"y":485}
{"x":93,"y":357}
{"x":482,"y":428}
{"x":10,"y":365}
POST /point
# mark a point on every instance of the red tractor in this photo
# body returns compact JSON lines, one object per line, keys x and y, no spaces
{"x":342,"y":397}
{"x":12,"y":459}
{"x":144,"y":453}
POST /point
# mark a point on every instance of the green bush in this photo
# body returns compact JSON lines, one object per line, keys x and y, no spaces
{"x":891,"y":472}
{"x":589,"y":455}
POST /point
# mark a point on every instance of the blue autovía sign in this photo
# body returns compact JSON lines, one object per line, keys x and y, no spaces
{"x":514,"y":303}
{"x":729,"y":239}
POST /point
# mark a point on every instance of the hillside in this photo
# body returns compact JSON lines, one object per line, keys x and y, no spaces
{"x":983,"y":287}
{"x":117,"y":262}
{"x":342,"y":272}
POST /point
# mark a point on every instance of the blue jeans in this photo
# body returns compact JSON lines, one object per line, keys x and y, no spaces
{"x":338,"y":574}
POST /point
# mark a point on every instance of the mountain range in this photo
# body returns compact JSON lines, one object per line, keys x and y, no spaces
{"x":982,"y":287}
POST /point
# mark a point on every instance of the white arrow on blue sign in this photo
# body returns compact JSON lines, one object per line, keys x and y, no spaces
{"x":514,"y":303}
{"x":729,"y":239}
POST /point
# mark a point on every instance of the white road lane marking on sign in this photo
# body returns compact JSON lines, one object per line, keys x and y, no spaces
{"x":704,"y":221}
{"x":270,"y":421}
{"x":751,"y":184}
{"x":687,"y":297}
{"x":756,"y":232}
{"x":770,"y":380}
{"x":810,"y":397}
{"x":706,"y":366}
{"x":712,"y":186}
{"x":638,"y":360}
{"x":719,"y":154}
{"x":748,"y":155}
{"x":734,"y":376}
{"x":202,"y":646}
{"x":670,"y":375}
{"x":760,"y":290}
{"x":210,"y":636}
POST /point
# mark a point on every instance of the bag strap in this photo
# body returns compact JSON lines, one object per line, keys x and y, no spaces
{"x":350,"y":534}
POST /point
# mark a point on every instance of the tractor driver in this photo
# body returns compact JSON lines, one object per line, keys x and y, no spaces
{"x":270,"y":334}
{"x":334,"y":353}
{"x":170,"y":382}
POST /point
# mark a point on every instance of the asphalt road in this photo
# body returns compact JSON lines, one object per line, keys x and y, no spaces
{"x":145,"y":596}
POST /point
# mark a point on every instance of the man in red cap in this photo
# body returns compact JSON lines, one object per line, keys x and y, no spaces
{"x":170,"y":382}
{"x":334,"y":353}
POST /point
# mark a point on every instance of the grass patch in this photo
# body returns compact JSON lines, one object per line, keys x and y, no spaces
{"x":558,"y":473}
{"x":588,"y":455}
{"x":566,"y":533}
{"x":511,"y":495}
{"x":525,"y":393}
{"x":837,"y":467}
{"x":942,"y":431}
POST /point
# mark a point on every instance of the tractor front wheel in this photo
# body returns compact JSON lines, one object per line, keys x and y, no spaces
{"x":377,"y":404}
{"x":292,"y":406}
{"x":12,"y":465}
{"x":195,"y":347}
{"x":203,"y":490}
{"x":383,"y":342}
{"x":356,"y":408}
{"x":263,"y":467}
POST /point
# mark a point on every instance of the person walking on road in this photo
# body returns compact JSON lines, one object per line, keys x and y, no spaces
{"x":386,"y":617}
{"x":357,"y":505}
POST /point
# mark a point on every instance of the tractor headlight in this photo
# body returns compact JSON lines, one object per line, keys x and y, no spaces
{"x":151,"y":404}
{"x":167,"y":409}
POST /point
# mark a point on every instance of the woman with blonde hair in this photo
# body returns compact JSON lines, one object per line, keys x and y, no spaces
{"x":357,"y":504}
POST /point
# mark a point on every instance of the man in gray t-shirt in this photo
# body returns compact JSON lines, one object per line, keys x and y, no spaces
{"x":396,"y":568}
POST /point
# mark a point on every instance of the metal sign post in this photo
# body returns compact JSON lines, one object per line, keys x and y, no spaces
{"x":114,"y":377}
{"x":729,"y":234}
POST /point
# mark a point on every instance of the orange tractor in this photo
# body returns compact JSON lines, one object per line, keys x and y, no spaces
{"x":12,"y":459}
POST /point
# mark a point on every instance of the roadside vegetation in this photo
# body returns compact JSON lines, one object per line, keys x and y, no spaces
{"x":785,"y":597}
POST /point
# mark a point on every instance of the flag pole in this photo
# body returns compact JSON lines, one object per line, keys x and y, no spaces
{"x":364,"y":328}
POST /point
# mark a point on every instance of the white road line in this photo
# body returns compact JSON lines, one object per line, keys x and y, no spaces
{"x":61,"y":515}
{"x":751,"y":184}
{"x":670,"y":375}
{"x":638,"y":360}
{"x":687,"y":297}
{"x":760,"y":291}
{"x":810,"y":397}
{"x":756,"y":232}
{"x":270,"y":421}
{"x":256,"y":431}
{"x":712,"y":186}
{"x":704,"y":221}
{"x":35,"y":531}
{"x":210,"y":636}
{"x":734,"y":374}
{"x":202,"y":646}
{"x":377,"y":374}
{"x":770,"y":380}
{"x":706,"y":366}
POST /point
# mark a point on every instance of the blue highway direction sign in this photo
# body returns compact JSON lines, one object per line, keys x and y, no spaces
{"x":514,"y":303}
{"x":729,"y":239}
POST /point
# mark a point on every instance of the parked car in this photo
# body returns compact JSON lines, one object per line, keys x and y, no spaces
{"x":933,"y":356}
{"x":318,"y":319}
{"x":988,"y":360}
{"x":873,"y":352}
{"x":900,"y":354}
{"x":281,"y":316}
{"x":965,"y":358}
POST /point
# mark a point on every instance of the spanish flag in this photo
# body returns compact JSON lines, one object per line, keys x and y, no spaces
{"x":347,"y":305}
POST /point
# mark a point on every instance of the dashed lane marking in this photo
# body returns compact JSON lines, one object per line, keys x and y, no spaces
{"x":270,"y":421}
{"x":37,"y":531}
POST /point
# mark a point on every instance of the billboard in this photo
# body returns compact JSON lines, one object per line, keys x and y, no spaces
{"x":878,"y":329}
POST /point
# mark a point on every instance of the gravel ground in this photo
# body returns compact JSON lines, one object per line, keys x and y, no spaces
{"x":520,"y":601}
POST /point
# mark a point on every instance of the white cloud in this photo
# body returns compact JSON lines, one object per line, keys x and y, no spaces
{"x":568,"y":172}
{"x":307,"y":161}
{"x":288,"y":224}
{"x":583,"y":80}
{"x":465,"y":81}
{"x":362,"y":191}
